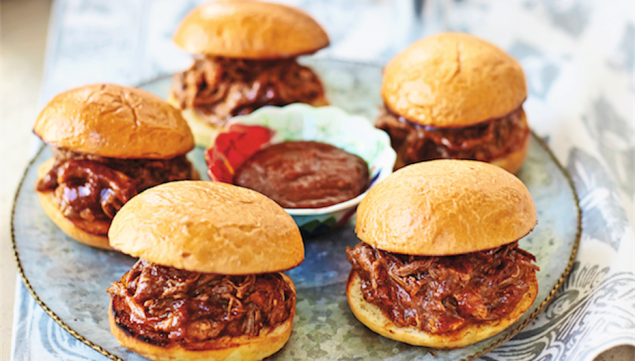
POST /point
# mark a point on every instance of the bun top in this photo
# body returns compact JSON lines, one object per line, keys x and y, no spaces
{"x":114,"y":121}
{"x":445,"y":207}
{"x":453,"y":80}
{"x":249,"y":29}
{"x":209,"y":227}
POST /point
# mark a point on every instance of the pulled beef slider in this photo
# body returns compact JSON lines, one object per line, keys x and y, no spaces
{"x":454,"y":96}
{"x":244,"y":58}
{"x":109,"y":143}
{"x":207,"y":285}
{"x":439,"y":263}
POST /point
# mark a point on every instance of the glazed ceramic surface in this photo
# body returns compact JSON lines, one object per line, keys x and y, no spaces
{"x":355,"y":134}
{"x":71,"y":278}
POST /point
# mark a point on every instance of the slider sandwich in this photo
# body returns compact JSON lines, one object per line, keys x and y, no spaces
{"x":245,"y":57}
{"x":109,"y":143}
{"x":455,"y":96}
{"x":439,"y":263}
{"x":208,"y":282}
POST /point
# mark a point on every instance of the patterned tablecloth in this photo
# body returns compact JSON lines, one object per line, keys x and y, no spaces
{"x":578,"y":57}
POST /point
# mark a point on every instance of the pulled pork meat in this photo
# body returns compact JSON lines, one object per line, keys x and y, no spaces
{"x":484,"y":142}
{"x":443,"y":294}
{"x":219,"y":88}
{"x":163,"y":305}
{"x":91,"y":189}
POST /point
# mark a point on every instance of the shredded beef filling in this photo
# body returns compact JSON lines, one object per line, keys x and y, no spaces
{"x":443,"y":294}
{"x":90,"y":189}
{"x":485,"y":142}
{"x":219,"y":88}
{"x":163,"y":305}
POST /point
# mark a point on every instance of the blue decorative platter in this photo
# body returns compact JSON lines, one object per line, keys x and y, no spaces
{"x":69,"y":279}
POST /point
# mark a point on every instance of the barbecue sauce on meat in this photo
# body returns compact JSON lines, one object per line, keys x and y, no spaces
{"x":484,"y":142}
{"x":219,"y":88}
{"x":90,"y":189}
{"x":439,"y":295}
{"x":163,"y":305}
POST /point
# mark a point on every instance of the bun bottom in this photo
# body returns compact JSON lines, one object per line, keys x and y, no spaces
{"x":243,"y":348}
{"x":204,"y":133}
{"x":50,"y":208}
{"x":49,"y":203}
{"x":372,"y":317}
{"x":514,"y":160}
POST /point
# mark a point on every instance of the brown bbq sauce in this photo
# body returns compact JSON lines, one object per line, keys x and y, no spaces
{"x":304,"y":174}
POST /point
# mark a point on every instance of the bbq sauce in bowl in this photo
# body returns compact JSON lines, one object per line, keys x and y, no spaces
{"x":304,"y":174}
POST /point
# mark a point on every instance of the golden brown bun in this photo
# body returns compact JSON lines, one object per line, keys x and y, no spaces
{"x":513,"y":161}
{"x":249,"y":29}
{"x":116,"y":122}
{"x":372,"y":316}
{"x":244,"y":348}
{"x":445,"y":207}
{"x":49,"y":203}
{"x":453,"y":80}
{"x":210,"y":227}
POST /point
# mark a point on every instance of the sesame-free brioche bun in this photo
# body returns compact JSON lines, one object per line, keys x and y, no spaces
{"x":243,"y":348}
{"x":445,"y":207}
{"x":453,"y":80}
{"x":209,"y":227}
{"x":52,"y":210}
{"x":372,"y":316}
{"x":116,"y":122}
{"x":249,"y":30}
{"x":512,"y":162}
